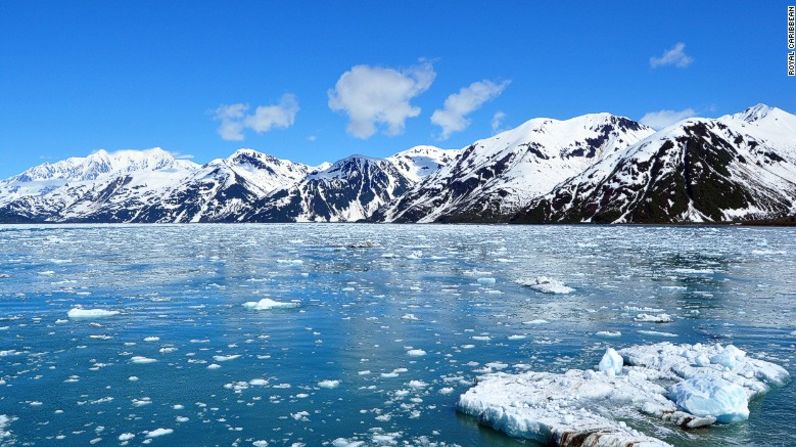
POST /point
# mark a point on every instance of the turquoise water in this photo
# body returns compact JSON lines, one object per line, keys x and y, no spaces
{"x":340,"y":365}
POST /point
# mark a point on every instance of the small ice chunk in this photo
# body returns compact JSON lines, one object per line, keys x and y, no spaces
{"x":159,"y":432}
{"x":416,"y":352}
{"x":79,"y":312}
{"x":546,"y":285}
{"x":139,"y":359}
{"x":329,"y":384}
{"x":268,"y":304}
{"x":608,"y":333}
{"x":611,"y":362}
{"x":711,"y":396}
{"x":225,"y":358}
{"x":650,"y":318}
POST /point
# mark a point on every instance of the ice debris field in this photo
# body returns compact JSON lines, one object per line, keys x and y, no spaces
{"x":381,"y":335}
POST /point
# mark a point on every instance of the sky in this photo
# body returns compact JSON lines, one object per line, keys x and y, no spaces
{"x":317,"y":81}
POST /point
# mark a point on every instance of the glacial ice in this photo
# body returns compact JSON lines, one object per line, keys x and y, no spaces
{"x":268,"y":304}
{"x":5,"y":421}
{"x":546,"y":285}
{"x":79,"y":312}
{"x":711,"y":397}
{"x":688,"y":385}
{"x":611,"y":362}
{"x":158,"y":432}
{"x":650,"y":318}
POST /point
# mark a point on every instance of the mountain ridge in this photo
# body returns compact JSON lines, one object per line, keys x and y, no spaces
{"x":592,"y":168}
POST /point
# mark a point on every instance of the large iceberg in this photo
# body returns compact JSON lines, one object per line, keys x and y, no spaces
{"x":687,"y":385}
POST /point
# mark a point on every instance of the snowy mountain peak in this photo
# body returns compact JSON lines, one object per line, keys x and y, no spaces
{"x":755,"y":113}
{"x":258,"y":160}
{"x":596,"y":167}
{"x":497,"y":175}
{"x":419,"y":162}
{"x":103,"y":162}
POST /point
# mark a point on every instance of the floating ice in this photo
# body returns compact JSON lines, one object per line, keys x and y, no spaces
{"x":712,"y":397}
{"x":5,"y":421}
{"x":688,"y":385}
{"x":416,"y":352}
{"x":159,"y":432}
{"x":608,"y":333}
{"x":141,"y":359}
{"x":649,"y":318}
{"x":268,"y":304}
{"x":546,"y":285}
{"x":79,"y":312}
{"x":611,"y":362}
{"x":658,"y":333}
{"x":329,"y":384}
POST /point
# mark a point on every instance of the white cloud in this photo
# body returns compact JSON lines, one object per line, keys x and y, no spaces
{"x":230,"y":115}
{"x":664,"y":118}
{"x":234,"y":118}
{"x":674,"y":56}
{"x":452,"y":117}
{"x":377,"y":95}
{"x":497,"y":121}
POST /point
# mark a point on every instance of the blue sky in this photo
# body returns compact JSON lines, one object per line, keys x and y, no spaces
{"x":344,"y":77}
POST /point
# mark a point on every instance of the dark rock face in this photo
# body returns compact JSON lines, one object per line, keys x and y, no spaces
{"x":701,"y":175}
{"x":494,"y":178}
{"x":352,"y":189}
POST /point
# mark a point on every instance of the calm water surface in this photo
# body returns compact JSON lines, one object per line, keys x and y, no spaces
{"x":340,"y":365}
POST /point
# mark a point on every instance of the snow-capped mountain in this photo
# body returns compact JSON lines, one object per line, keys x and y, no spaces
{"x":350,"y":190}
{"x":224,"y":189}
{"x":739,"y":167}
{"x":593,"y":168}
{"x":102,"y":187}
{"x":41,"y":179}
{"x":419,"y":162}
{"x":494,"y":177}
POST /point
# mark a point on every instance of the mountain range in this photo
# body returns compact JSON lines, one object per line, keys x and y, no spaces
{"x":597,"y":168}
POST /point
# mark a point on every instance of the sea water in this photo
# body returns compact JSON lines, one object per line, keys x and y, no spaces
{"x":390,"y":324}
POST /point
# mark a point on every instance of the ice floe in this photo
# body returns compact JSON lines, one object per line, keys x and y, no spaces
{"x":159,"y":432}
{"x":546,"y":285}
{"x":688,"y":385}
{"x":5,"y":421}
{"x":79,"y":312}
{"x":268,"y":304}
{"x":139,"y":359}
{"x":657,"y":318}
